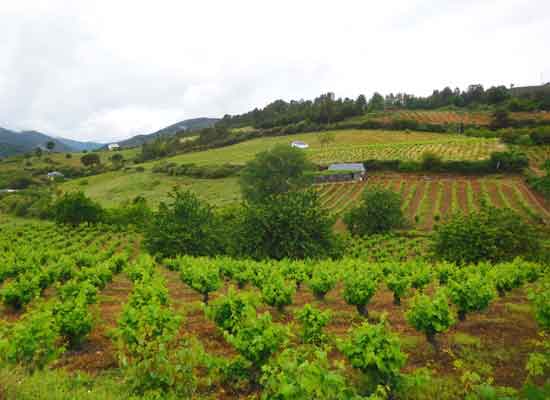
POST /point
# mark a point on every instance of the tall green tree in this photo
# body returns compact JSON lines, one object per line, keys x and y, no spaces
{"x":279,"y":170}
{"x":50,"y":145}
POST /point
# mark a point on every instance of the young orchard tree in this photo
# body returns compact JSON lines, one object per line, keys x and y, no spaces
{"x":74,"y":319}
{"x":399,"y":282}
{"x":470,"y":292}
{"x":313,"y":322}
{"x":277,"y":292}
{"x":376,"y":352}
{"x":430,"y":315}
{"x":323,"y":279}
{"x":230,"y":311}
{"x":360,"y":284}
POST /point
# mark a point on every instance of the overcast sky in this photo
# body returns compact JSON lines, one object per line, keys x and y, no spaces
{"x":106,"y":70}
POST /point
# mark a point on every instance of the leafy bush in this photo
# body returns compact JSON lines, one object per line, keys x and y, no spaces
{"x":507,"y":276}
{"x":257,"y":339}
{"x":489,"y":234}
{"x":541,"y":136}
{"x":20,"y":292}
{"x":185,"y":225}
{"x":300,"y":375}
{"x":312,"y":321}
{"x":277,"y":292}
{"x":228,"y":312}
{"x":431,"y":161}
{"x":540,"y":297}
{"x":203,"y":276}
{"x":399,"y":282}
{"x":376,"y":352}
{"x":360,"y":284}
{"x":73,"y":319}
{"x":323,"y":279}
{"x":32,"y":341}
{"x":73,"y":289}
{"x":445,"y":271}
{"x":291,"y":225}
{"x":274,"y":172}
{"x":430,"y":315}
{"x":420,"y":274}
{"x":378,"y":212}
{"x":470,"y":292}
{"x":75,"y":208}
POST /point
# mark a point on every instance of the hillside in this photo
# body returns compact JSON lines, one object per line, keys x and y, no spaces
{"x":12,"y":142}
{"x":189,"y":125}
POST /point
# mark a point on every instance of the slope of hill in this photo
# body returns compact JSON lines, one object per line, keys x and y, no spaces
{"x":12,"y":142}
{"x":189,"y":125}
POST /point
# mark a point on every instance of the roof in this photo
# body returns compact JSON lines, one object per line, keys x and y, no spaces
{"x":55,"y":173}
{"x":347,"y":167}
{"x":299,"y":142}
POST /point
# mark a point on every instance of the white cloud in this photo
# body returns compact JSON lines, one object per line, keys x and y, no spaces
{"x":105,"y":70}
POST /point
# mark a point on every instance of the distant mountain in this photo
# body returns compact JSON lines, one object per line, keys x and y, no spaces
{"x":12,"y":142}
{"x":79,"y":146}
{"x":189,"y":125}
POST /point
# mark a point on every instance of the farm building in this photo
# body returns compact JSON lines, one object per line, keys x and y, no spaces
{"x":343,"y":172}
{"x":55,"y":175}
{"x":113,"y":146}
{"x":299,"y":144}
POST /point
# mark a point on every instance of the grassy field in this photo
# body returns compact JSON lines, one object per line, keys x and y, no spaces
{"x":113,"y":188}
{"x":428,"y":198}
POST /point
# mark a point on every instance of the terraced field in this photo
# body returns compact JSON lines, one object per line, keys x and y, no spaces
{"x":429,"y":199}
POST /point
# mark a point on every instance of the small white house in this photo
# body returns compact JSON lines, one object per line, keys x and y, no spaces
{"x":55,"y":175}
{"x":113,"y":146}
{"x":299,"y":144}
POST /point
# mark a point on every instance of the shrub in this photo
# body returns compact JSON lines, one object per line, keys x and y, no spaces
{"x":291,"y":225}
{"x":323,"y":279}
{"x":540,"y":298}
{"x":508,"y":161}
{"x":32,"y":341}
{"x":431,"y":161}
{"x":75,"y":208}
{"x":228,"y":312}
{"x":73,"y":319}
{"x":378,"y":212}
{"x":185,"y":225}
{"x":541,"y":136}
{"x":430,"y":315}
{"x":257,"y":339}
{"x":376,"y":352}
{"x":20,"y":292}
{"x":277,"y":292}
{"x":489,"y":234}
{"x":90,"y":159}
{"x":301,"y":375}
{"x":470,"y":292}
{"x":312,"y":321}
{"x":399,"y":282}
{"x":203,"y":276}
{"x":507,"y":276}
{"x":360,"y":285}
{"x":420,"y":274}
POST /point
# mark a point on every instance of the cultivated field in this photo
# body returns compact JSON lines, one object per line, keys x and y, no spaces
{"x":494,"y":343}
{"x":427,"y":199}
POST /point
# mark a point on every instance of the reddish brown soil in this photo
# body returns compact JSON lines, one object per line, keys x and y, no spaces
{"x":432,"y":199}
{"x":446,"y":199}
{"x":476,"y":188}
{"x":492,"y":190}
{"x":415,"y":201}
{"x":462,"y":196}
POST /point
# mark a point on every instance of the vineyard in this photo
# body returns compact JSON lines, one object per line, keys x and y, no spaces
{"x":86,"y":299}
{"x":453,"y":149}
{"x":429,"y":199}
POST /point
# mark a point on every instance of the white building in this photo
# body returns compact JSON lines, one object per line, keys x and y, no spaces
{"x":113,"y":146}
{"x":299,"y":144}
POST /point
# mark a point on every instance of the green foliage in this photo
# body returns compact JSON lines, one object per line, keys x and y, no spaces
{"x":73,"y":319}
{"x":470,"y":292}
{"x":490,"y":234}
{"x":431,"y":161}
{"x":375,"y":351}
{"x":272,"y":172}
{"x":399,"y":282}
{"x":323,"y":279}
{"x":75,"y":208}
{"x":540,"y":298}
{"x":185,"y":225}
{"x":20,"y":292}
{"x":257,"y":339}
{"x":202,"y":275}
{"x":291,"y":225}
{"x":90,"y":159}
{"x":378,"y":212}
{"x":297,"y":375}
{"x":312,"y":321}
{"x":73,"y":289}
{"x":445,"y":271}
{"x":421,"y":274}
{"x":228,"y":312}
{"x":507,"y":276}
{"x":32,"y":341}
{"x":430,"y":315}
{"x":360,"y":284}
{"x":277,"y":292}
